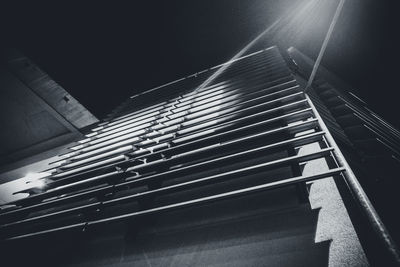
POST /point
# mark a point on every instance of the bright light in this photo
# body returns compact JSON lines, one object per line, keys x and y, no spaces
{"x":38,"y":183}
{"x":32,"y":177}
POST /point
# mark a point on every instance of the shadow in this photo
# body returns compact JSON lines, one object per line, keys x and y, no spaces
{"x":268,"y":229}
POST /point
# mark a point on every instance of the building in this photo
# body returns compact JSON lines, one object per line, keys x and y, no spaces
{"x":220,"y":168}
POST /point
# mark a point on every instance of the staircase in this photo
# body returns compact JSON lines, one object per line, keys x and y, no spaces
{"x":221,"y":175}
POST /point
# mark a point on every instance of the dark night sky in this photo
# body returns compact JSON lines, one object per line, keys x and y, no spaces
{"x":104,"y":52}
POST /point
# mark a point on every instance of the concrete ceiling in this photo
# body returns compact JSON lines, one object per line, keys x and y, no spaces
{"x":36,"y":114}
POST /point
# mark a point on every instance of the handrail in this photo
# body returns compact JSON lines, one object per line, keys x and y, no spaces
{"x":359,"y":195}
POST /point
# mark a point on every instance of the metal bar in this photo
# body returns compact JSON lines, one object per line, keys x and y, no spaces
{"x":253,"y":189}
{"x":385,"y":141}
{"x":199,"y":113}
{"x":93,"y":165}
{"x":294,"y":141}
{"x":240,"y":172}
{"x":4,"y":227}
{"x":294,"y":128}
{"x":190,"y":142}
{"x":360,"y":196}
{"x":222,"y":91}
{"x":143,"y":180}
{"x":218,"y":125}
{"x":125,"y":134}
{"x":201,"y":181}
{"x":301,"y":140}
{"x":198,"y":201}
{"x":253,"y":90}
{"x":58,"y":229}
{"x":372,"y":124}
{"x":368,"y":119}
{"x":276,"y":73}
{"x":135,"y":140}
{"x":58,"y":200}
{"x":64,"y":180}
{"x":299,"y":127}
{"x":222,"y":134}
{"x":193,"y":108}
{"x":97,"y":157}
{"x":194,"y":75}
{"x":255,"y":80}
{"x":390,"y":127}
{"x":231,"y":131}
{"x":103,"y":127}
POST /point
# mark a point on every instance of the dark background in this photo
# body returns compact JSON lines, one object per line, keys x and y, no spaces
{"x":103,"y":53}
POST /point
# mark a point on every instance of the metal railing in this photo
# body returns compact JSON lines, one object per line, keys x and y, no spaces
{"x":241,"y":128}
